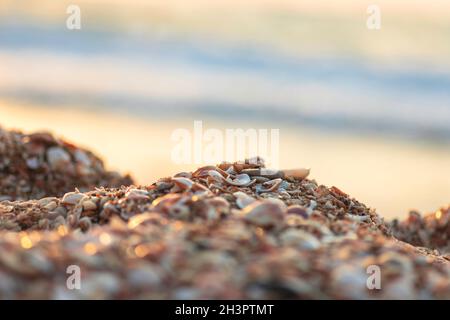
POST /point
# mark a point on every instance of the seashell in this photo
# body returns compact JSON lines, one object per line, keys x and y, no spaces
{"x":350,"y":281}
{"x":58,"y":158}
{"x":255,"y":161}
{"x":252,"y":172}
{"x":357,"y":218}
{"x":225,"y":166}
{"x":51,"y":206}
{"x":72,"y":198}
{"x":264,"y":214}
{"x":215,"y":176}
{"x":126,"y":215}
{"x":293,"y":220}
{"x":212,"y":208}
{"x":137,"y":194}
{"x":182,"y":183}
{"x":165,"y":200}
{"x":278,"y":202}
{"x":238,"y":167}
{"x":108,"y":210}
{"x":297,"y":173}
{"x":262,"y":172}
{"x":218,"y":203}
{"x":271,"y":174}
{"x":230,"y":171}
{"x":298,"y":210}
{"x":300,"y":239}
{"x":338,"y":191}
{"x":163,"y":185}
{"x":44,"y":201}
{"x":203,"y":172}
{"x":260,"y":179}
{"x":82,"y":158}
{"x":224,"y":173}
{"x":284,"y":194}
{"x":200,"y":190}
{"x":179,"y":211}
{"x":248,"y":164}
{"x":52,"y":215}
{"x":243,"y":199}
{"x":311,"y":207}
{"x":33,"y":163}
{"x":59,"y":220}
{"x":89,"y":205}
{"x":44,"y":224}
{"x":41,"y":137}
{"x":72,"y":220}
{"x":241,"y":180}
{"x":85,"y":224}
{"x":6,"y":209}
{"x":207,"y":211}
{"x":272,"y":185}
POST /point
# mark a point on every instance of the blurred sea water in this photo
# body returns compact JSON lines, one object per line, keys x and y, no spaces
{"x":155,"y":67}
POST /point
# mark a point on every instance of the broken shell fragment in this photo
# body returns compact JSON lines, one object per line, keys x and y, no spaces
{"x":262,"y":172}
{"x":203,"y":172}
{"x":182,"y":183}
{"x":243,"y":199}
{"x":72,"y":198}
{"x":137,"y":194}
{"x":241,"y":180}
{"x":215,"y":176}
{"x":298,"y":210}
{"x":271,"y":186}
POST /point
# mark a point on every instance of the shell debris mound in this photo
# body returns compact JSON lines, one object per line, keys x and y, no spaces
{"x":226,"y":231}
{"x":38,"y":165}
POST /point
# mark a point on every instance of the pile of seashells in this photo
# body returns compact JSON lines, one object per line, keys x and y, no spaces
{"x":39,"y":165}
{"x":429,"y":231}
{"x":231,"y":231}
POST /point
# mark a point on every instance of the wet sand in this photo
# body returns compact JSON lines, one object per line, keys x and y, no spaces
{"x":391,"y":176}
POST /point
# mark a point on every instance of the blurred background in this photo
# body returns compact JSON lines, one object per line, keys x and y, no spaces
{"x":367,"y":110}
